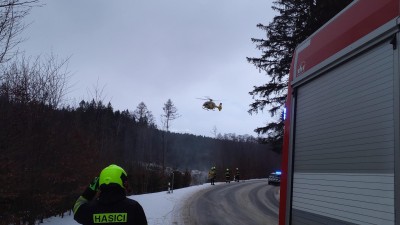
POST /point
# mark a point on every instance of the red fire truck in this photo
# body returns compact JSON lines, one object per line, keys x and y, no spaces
{"x":341,"y":155}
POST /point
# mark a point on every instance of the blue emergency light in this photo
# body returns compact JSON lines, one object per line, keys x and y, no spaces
{"x":284,"y":113}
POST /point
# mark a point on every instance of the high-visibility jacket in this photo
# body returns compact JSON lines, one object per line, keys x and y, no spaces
{"x":111,"y":207}
{"x":227,"y":174}
{"x":212,"y":174}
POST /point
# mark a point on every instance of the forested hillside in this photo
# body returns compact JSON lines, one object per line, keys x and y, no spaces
{"x":49,"y":155}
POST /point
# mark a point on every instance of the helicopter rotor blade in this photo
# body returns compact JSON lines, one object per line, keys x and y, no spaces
{"x":208,"y":99}
{"x":211,"y":99}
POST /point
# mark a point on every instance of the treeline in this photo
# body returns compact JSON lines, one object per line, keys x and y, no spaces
{"x":49,"y":155}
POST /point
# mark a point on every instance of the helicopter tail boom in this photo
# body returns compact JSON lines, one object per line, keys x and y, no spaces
{"x":219,"y":107}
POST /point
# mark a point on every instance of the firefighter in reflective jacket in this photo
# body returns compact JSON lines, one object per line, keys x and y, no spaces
{"x":112,"y":206}
{"x":212,"y":174}
{"x":237,"y":175}
{"x":227,"y":176}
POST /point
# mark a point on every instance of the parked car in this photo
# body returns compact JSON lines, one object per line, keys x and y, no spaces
{"x":274,"y":178}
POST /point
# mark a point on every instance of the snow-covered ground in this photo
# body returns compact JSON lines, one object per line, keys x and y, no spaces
{"x":160,"y":208}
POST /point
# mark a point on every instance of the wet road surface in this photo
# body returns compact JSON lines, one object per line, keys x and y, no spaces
{"x":252,"y":202}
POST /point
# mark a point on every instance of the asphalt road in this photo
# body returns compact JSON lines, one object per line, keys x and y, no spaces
{"x":252,"y":202}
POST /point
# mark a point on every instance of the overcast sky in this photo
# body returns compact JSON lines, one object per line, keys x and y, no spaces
{"x":154,"y":50}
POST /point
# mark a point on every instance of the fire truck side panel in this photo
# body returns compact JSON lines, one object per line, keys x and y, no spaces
{"x":344,"y":142}
{"x":341,"y":156}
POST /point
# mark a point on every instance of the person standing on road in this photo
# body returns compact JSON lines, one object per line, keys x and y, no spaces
{"x":111,"y":206}
{"x":212,"y":174}
{"x":237,"y":175}
{"x":227,"y":176}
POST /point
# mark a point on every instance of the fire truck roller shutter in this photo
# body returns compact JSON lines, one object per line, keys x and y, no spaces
{"x":344,"y":143}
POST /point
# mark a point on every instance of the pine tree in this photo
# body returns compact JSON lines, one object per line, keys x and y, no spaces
{"x":296,"y":21}
{"x":143,"y":116}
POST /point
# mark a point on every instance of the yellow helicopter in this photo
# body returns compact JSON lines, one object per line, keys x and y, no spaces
{"x":210,"y":104}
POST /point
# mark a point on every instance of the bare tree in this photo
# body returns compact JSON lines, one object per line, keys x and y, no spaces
{"x":97,"y":94}
{"x":12,"y":13}
{"x":33,"y":80}
{"x":170,"y":113}
{"x":214,"y":131}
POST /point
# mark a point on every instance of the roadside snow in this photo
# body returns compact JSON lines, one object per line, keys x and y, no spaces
{"x":160,"y":208}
